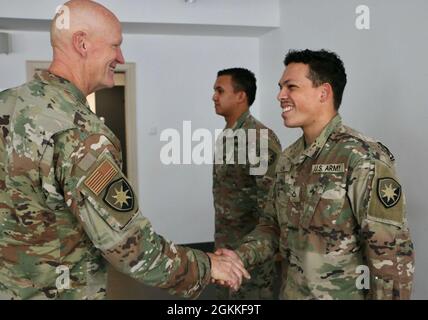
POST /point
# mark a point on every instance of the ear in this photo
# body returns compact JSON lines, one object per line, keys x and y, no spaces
{"x":326,"y":92}
{"x":242,"y":96}
{"x":80,"y":43}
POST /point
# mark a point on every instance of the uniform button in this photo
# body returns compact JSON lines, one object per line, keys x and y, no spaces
{"x":293,"y":194}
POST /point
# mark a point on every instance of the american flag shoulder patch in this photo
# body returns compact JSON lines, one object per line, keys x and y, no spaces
{"x":102,"y":175}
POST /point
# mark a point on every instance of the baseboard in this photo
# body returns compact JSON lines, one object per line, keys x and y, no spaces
{"x":204,"y":246}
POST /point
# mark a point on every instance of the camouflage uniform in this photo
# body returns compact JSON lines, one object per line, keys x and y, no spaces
{"x":335,"y":206}
{"x":239,"y":198}
{"x":65,"y":204}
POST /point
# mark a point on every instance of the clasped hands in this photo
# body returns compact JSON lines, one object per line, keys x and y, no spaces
{"x":227,"y":269}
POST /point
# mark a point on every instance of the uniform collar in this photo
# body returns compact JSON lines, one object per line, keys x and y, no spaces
{"x":238,"y":124}
{"x":64,"y":84}
{"x":297,"y":152}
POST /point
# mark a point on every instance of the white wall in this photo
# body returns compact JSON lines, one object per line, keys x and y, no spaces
{"x":24,"y":46}
{"x":174,"y":84}
{"x":214,"y":12}
{"x":386,"y":93}
{"x":175,"y":77}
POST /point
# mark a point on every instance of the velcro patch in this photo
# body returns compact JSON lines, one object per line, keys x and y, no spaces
{"x":328,"y":168}
{"x":386,"y":198}
{"x":102,"y":175}
{"x":87,"y":161}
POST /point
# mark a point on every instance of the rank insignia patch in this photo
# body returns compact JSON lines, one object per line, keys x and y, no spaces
{"x":388,"y":191}
{"x":119,"y":196}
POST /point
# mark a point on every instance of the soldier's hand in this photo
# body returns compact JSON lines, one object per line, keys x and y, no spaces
{"x":227,"y":270}
{"x":225,"y":253}
{"x":229,"y":253}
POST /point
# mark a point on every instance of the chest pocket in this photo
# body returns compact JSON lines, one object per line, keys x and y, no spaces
{"x":312,"y":199}
{"x":288,"y":198}
{"x":324,"y":197}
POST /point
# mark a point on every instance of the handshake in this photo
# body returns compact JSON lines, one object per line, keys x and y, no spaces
{"x":227,"y":269}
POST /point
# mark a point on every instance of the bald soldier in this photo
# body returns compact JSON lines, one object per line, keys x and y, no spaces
{"x":66,"y":208}
{"x":337,"y":209}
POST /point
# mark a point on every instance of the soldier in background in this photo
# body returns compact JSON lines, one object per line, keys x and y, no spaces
{"x":337,"y":210}
{"x":239,"y":194}
{"x":65,"y":204}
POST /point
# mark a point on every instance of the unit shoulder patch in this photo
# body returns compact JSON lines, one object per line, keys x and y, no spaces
{"x":388,"y":191}
{"x":119,"y":196}
{"x":272,"y":157}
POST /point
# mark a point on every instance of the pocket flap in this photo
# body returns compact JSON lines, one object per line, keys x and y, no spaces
{"x":314,"y":194}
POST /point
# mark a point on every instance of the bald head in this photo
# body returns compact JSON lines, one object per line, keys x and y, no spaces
{"x":81,"y":16}
{"x":86,"y":39}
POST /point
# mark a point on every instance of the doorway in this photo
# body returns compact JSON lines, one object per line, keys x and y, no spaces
{"x":109,"y":105}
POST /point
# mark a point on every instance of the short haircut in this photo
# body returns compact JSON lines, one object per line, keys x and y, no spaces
{"x":324,"y":67}
{"x":242,"y":80}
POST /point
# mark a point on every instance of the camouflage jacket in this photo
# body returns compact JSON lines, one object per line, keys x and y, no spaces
{"x":337,"y":215}
{"x":239,"y":196}
{"x":66,"y":207}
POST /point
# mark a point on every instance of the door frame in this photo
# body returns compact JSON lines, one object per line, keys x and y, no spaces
{"x":129,"y":69}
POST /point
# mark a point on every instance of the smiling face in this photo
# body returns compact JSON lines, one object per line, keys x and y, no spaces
{"x":299,"y":99}
{"x":105,"y":54}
